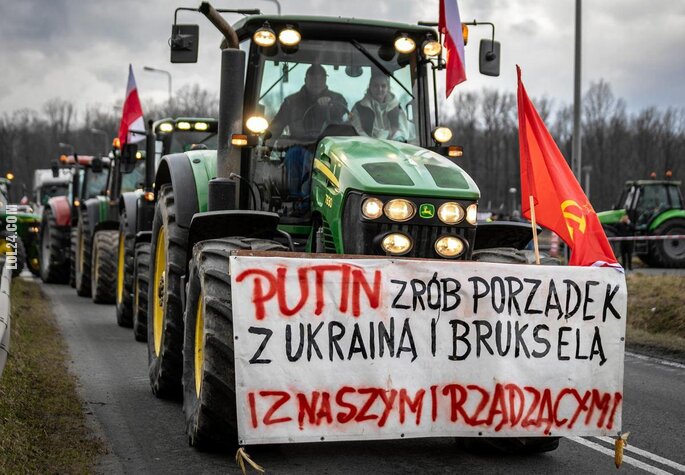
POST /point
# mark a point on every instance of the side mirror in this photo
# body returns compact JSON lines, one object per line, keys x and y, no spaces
{"x":54,"y":166}
{"x":97,"y":165}
{"x":128,"y":157}
{"x":184,"y":43}
{"x":489,"y":55}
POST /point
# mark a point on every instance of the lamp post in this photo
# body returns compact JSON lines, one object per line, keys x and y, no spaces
{"x":163,"y":71}
{"x":577,"y":104}
{"x":104,"y":134}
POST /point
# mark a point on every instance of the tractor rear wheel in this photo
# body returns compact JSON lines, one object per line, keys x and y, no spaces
{"x":141,"y":276}
{"x":83,"y":254}
{"x":125,"y":258}
{"x":54,"y":242}
{"x":103,"y":267}
{"x":511,"y":445}
{"x":670,"y":252}
{"x":165,"y":313}
{"x":72,"y":256}
{"x":209,"y":399}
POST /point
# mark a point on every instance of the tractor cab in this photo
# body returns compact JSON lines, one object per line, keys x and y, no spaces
{"x":644,"y":200}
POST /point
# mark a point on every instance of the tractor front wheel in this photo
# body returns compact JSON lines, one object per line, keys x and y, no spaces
{"x":54,"y":242}
{"x":141,"y":279}
{"x":209,"y":399}
{"x":125,"y":257}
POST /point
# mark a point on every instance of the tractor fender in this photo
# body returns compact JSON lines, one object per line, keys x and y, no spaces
{"x":91,"y":208}
{"x":128,"y":202}
{"x":145,"y":213}
{"x":231,"y":223}
{"x":665,"y":216}
{"x":176,"y":169}
{"x":61,"y":210}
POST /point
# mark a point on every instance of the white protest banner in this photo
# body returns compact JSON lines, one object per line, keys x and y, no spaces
{"x":349,"y":349}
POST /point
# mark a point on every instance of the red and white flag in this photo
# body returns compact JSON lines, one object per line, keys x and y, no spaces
{"x":449,"y":24}
{"x":559,"y":201}
{"x":132,"y":127}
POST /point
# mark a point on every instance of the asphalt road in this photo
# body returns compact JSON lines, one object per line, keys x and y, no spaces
{"x":146,"y":435}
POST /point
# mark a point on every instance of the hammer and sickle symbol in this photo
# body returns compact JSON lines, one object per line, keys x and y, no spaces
{"x":570,"y":217}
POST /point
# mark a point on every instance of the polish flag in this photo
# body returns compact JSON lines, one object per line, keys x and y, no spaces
{"x":132,"y":127}
{"x":449,"y":24}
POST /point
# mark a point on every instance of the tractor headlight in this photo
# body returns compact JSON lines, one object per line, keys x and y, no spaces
{"x":166,"y":127}
{"x":404,"y":44}
{"x":289,"y":36}
{"x":431,"y":48}
{"x":449,"y":246}
{"x":264,"y":36}
{"x":33,"y":229}
{"x":201,"y":126}
{"x":472,"y":213}
{"x":257,"y":124}
{"x":400,"y":210}
{"x":396,"y":244}
{"x":183,"y":125}
{"x":442,"y":134}
{"x":372,"y":208}
{"x":451,"y":212}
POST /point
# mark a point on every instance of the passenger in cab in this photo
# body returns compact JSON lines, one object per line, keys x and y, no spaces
{"x":379,"y":113}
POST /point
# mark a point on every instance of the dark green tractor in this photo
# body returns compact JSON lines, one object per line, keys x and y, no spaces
{"x":321,"y":186}
{"x":655,"y":207}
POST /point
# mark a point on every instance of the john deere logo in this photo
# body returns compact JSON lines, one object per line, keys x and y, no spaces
{"x":426,"y":210}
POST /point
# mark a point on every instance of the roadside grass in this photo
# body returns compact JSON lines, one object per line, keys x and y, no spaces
{"x":42,"y":425}
{"x":656,"y":312}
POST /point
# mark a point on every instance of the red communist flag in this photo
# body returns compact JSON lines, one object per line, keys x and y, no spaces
{"x":449,"y":24}
{"x":132,"y":126}
{"x":559,"y":201}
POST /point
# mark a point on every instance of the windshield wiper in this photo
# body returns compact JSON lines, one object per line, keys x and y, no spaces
{"x":285,"y":73}
{"x":379,"y":65}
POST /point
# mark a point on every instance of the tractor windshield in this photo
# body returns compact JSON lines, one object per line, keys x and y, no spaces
{"x":135,"y":179}
{"x":368,"y":88}
{"x":95,"y":184}
{"x":184,"y":141}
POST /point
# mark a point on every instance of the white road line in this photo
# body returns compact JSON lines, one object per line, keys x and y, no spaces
{"x":648,"y":455}
{"x":626,"y":459}
{"x":672,"y":364}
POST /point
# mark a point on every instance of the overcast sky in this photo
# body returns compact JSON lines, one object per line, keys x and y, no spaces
{"x":79,"y":50}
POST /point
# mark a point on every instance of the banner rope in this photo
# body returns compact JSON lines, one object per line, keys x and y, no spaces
{"x":241,"y":457}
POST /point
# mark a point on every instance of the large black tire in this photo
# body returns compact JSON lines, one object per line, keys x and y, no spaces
{"x":72,"y":256}
{"x":104,"y":266}
{"x":669,"y":253}
{"x":165,"y":312}
{"x":82,"y":257}
{"x":210,"y":411}
{"x":125,"y":261}
{"x":54,"y":249}
{"x":141,"y":277}
{"x":511,"y":445}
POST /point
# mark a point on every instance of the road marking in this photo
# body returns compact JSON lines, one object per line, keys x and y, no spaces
{"x":648,"y":455}
{"x":672,"y":364}
{"x":626,"y":459}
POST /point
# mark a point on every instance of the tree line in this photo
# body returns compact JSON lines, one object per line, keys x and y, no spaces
{"x":617,"y":145}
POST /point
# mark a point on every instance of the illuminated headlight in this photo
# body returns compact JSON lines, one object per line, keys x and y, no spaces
{"x":404,"y":44}
{"x":257,"y":124}
{"x":372,"y":208}
{"x":201,"y":126}
{"x":264,"y":37}
{"x":183,"y":125}
{"x":431,"y":48}
{"x":472,"y":213}
{"x":289,"y":36}
{"x":33,"y":229}
{"x":396,"y":243}
{"x":449,"y":246}
{"x":139,"y":155}
{"x":166,"y":127}
{"x":442,"y":134}
{"x":400,"y":210}
{"x":77,"y":203}
{"x":451,"y":213}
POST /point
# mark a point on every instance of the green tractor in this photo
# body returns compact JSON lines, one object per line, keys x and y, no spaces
{"x":655,"y":207}
{"x":322,"y":184}
{"x":19,"y":227}
{"x":136,"y":209}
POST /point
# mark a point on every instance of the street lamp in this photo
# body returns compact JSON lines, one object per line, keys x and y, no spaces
{"x":163,"y":71}
{"x":104,"y":134}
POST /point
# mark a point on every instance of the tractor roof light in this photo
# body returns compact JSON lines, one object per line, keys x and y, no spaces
{"x":10,"y":176}
{"x":201,"y":126}
{"x":264,"y":36}
{"x":455,"y":151}
{"x":399,"y":210}
{"x":472,"y":213}
{"x":451,"y":213}
{"x":77,"y":203}
{"x":289,"y":36}
{"x":404,"y":44}
{"x":431,"y":48}
{"x":257,"y":124}
{"x":396,"y":244}
{"x":139,"y":155}
{"x":442,"y":134}
{"x":449,"y":246}
{"x":116,"y":144}
{"x":465,"y":33}
{"x":372,"y":208}
{"x":149,"y":196}
{"x":183,"y":125}
{"x":166,"y":127}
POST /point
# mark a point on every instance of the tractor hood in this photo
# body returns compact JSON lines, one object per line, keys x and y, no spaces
{"x":388,"y":167}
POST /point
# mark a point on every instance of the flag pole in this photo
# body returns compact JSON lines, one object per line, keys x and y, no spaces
{"x":535,"y":229}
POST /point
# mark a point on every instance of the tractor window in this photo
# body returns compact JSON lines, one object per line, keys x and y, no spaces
{"x":95,"y":184}
{"x":652,"y":201}
{"x":135,"y":179}
{"x":676,"y":199}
